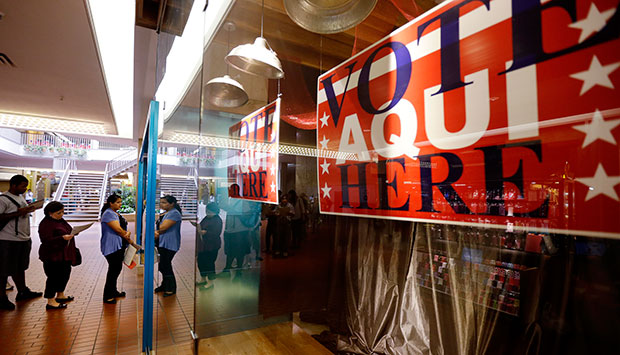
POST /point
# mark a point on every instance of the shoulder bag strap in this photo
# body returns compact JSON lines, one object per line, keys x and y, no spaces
{"x":18,"y":207}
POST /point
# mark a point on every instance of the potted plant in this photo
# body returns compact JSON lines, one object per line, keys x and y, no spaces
{"x":128,"y":195}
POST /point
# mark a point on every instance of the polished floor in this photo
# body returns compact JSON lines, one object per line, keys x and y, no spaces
{"x":88,"y":326}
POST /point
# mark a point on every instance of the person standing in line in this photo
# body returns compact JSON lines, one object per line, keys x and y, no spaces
{"x":15,"y":242}
{"x":58,"y":253}
{"x":284,"y":214}
{"x":168,"y":234}
{"x":209,"y":245}
{"x":114,"y":240}
{"x":269,"y":211}
{"x":297,"y":220}
{"x":236,"y":232}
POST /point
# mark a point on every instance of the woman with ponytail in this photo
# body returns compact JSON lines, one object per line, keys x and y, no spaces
{"x":168,"y":234}
{"x":114,"y":240}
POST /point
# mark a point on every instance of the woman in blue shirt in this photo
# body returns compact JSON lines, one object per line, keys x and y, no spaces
{"x":169,"y":235}
{"x":114,"y":240}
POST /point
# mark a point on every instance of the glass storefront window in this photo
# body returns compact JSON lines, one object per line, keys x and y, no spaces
{"x":452,"y":180}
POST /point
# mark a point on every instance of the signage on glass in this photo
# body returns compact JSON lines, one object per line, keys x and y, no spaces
{"x":493,"y":113}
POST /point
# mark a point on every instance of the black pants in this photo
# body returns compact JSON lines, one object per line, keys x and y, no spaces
{"x":14,"y":260}
{"x":206,"y":263}
{"x":297,"y":231}
{"x":169,"y":283}
{"x":283,"y":237}
{"x":57,"y":273}
{"x":270,"y":233}
{"x":115,"y":265}
{"x":239,"y":256}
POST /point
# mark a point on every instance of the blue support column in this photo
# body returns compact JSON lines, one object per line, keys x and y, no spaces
{"x":149,"y":229}
{"x":139,"y":201}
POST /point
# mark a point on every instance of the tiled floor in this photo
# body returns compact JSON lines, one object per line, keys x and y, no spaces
{"x":89,"y":326}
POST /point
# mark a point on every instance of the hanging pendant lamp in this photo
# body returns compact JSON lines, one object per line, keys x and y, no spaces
{"x":257,"y":58}
{"x":225,"y":91}
{"x":328,"y":16}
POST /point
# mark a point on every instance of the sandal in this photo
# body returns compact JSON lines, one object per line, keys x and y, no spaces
{"x":65,"y":299}
{"x":50,"y":307}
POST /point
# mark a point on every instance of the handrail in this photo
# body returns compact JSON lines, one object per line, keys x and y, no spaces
{"x":104,"y":185}
{"x":194,"y":173}
{"x":63,"y":181}
{"x":122,"y":162}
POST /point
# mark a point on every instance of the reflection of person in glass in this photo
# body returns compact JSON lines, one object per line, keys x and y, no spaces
{"x":284,"y":214}
{"x":209,"y":244}
{"x":169,"y":235}
{"x":240,"y":220}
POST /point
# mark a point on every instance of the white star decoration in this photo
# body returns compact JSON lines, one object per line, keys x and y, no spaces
{"x":594,"y":22}
{"x":273,"y":187}
{"x":598,"y":129}
{"x":596,"y":74}
{"x":272,"y":170}
{"x":325,"y":167}
{"x":326,"y":191}
{"x":324,"y":142}
{"x":324,"y":119}
{"x":600,"y":183}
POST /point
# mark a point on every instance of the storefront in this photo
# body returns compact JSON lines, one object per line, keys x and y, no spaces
{"x":456,"y":165}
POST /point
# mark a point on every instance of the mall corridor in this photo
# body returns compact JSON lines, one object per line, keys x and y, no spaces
{"x":88,"y":326}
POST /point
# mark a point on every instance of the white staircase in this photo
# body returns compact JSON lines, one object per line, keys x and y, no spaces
{"x":81,"y":196}
{"x":184,"y":190}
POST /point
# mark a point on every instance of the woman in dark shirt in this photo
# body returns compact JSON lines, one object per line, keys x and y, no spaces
{"x":209,"y":243}
{"x":58,"y":253}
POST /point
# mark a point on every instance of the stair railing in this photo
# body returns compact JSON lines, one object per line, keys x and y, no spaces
{"x":63,"y":182}
{"x":191,"y":175}
{"x":122,"y":162}
{"x":104,"y":188}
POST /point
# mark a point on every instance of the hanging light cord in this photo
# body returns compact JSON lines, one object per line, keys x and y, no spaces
{"x":321,"y":55}
{"x":228,"y":50}
{"x":262,"y":17}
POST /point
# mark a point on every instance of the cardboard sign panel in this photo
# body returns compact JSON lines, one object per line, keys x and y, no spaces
{"x":253,"y":167}
{"x":502,"y":113}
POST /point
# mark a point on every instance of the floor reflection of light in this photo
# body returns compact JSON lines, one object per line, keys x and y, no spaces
{"x":233,"y":295}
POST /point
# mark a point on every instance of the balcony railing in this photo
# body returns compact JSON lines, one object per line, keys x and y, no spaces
{"x":64,"y":146}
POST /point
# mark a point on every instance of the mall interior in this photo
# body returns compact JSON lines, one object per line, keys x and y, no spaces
{"x":389,"y":176}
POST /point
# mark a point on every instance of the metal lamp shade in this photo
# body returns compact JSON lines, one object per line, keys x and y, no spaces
{"x":225,"y":92}
{"x":328,"y":16}
{"x":257,"y":59}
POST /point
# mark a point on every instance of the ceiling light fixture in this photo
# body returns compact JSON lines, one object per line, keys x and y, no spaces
{"x":225,"y":91}
{"x":327,"y":17}
{"x":257,"y":58}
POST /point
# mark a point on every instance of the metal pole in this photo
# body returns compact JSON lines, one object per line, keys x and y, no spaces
{"x":149,"y":229}
{"x":139,"y":200}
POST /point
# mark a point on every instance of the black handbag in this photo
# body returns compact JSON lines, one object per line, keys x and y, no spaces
{"x":78,"y":258}
{"x":123,"y":222}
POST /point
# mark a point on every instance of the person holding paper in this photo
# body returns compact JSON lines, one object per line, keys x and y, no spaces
{"x":15,"y":242}
{"x":113,"y":236}
{"x":168,"y":234}
{"x":58,"y":253}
